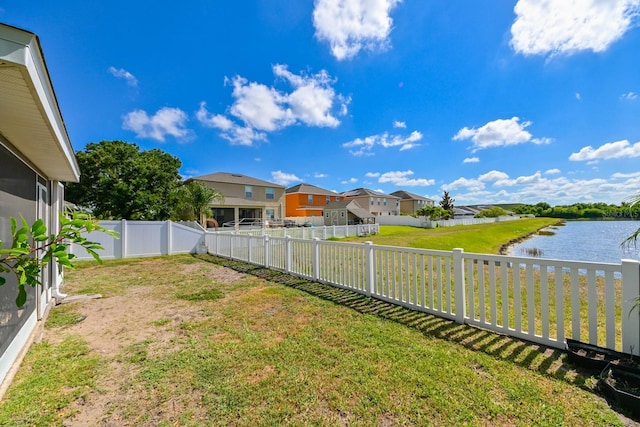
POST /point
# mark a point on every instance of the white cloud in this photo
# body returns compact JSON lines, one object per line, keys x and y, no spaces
{"x":501,"y":132}
{"x":552,"y":171}
{"x":398,"y":124}
{"x":610,"y":150}
{"x":625,"y":175}
{"x":166,"y":121}
{"x":363,"y":146}
{"x":493,"y":176}
{"x":350,"y":181}
{"x":578,"y":96}
{"x":283,"y":178}
{"x":471,"y":184}
{"x":320,"y":175}
{"x":401,"y":179}
{"x":471,"y":160}
{"x":121,"y":73}
{"x":558,"y":27}
{"x":629,"y":96}
{"x":259,"y":108}
{"x":352,"y":25}
{"x":229,"y":130}
{"x":372,"y":174}
{"x":497,"y":187}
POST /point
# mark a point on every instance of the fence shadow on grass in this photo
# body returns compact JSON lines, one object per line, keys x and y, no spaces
{"x":545,"y":360}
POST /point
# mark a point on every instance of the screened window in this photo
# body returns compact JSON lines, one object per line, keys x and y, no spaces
{"x":270,"y":193}
{"x":248,"y":191}
{"x":328,"y":199}
{"x":310,"y":199}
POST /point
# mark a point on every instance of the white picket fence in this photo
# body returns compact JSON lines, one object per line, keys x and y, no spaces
{"x":543,"y":301}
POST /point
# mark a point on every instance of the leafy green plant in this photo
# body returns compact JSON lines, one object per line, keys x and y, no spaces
{"x":32,"y":248}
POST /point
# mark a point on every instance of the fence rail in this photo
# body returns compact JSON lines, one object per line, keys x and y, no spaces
{"x":540,"y":300}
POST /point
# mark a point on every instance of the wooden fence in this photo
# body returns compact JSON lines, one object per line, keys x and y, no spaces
{"x":539,"y":300}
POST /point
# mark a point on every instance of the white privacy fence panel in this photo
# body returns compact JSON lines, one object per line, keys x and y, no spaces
{"x":543,"y":301}
{"x":142,"y":238}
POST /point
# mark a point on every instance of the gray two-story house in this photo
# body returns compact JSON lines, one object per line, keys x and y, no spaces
{"x":247,"y":200}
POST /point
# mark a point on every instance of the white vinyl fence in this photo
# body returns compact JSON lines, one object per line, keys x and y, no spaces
{"x":143,"y":238}
{"x":152,"y":238}
{"x":543,"y":301}
{"x":427,"y":223}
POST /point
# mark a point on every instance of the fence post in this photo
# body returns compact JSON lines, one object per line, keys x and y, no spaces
{"x":232,"y":239}
{"x":324,"y":232}
{"x":123,"y":239}
{"x":458,"y":285}
{"x":169,"y":236}
{"x":315,"y":250}
{"x":267,"y":255}
{"x":370,"y":266}
{"x":249,"y":248}
{"x":630,"y":316}
{"x":287,"y":254}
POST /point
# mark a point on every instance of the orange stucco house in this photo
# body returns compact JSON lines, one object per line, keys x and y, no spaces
{"x":306,"y":200}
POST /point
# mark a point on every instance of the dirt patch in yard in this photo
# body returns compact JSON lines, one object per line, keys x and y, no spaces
{"x":140,"y":318}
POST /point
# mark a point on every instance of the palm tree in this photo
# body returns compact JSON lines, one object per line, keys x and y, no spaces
{"x":192,"y":201}
{"x":633,"y":239}
{"x":201,"y":198}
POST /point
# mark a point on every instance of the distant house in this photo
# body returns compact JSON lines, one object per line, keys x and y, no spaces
{"x":308,"y":200}
{"x":410,"y":202}
{"x":246,"y":199}
{"x":464,"y":211}
{"x":36,"y":156}
{"x":375,"y":202}
{"x":347,"y":212}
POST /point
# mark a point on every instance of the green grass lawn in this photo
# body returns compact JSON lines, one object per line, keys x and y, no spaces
{"x":480,"y":238}
{"x":272,"y":349}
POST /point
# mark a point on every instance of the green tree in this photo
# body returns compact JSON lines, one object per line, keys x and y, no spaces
{"x":118,"y":181}
{"x":434,"y":213}
{"x":493,"y":212}
{"x":447,"y":202}
{"x":192,"y":201}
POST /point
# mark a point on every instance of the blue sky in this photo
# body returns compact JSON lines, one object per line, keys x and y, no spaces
{"x":495,"y":101}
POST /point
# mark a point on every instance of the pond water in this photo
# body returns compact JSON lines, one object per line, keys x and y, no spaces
{"x":597,"y":241}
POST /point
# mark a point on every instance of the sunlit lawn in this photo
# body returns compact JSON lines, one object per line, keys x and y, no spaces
{"x":277,"y":350}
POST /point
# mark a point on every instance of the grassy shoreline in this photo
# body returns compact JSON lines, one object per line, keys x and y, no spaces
{"x":490,"y":238}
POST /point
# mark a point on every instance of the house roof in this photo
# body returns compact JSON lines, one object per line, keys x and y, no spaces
{"x":405,"y":195}
{"x":234,"y":178}
{"x":352,"y":206}
{"x":30,"y":118}
{"x":310,"y":189}
{"x":358,"y":192}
